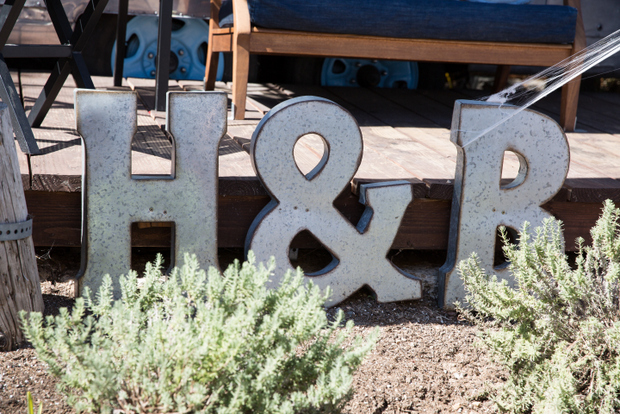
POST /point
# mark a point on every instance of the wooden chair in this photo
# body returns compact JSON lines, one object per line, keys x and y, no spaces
{"x":243,"y":39}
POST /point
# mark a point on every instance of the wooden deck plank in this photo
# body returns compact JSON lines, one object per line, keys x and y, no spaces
{"x":261,"y":97}
{"x":61,"y":115}
{"x":591,"y":161}
{"x":59,"y":167}
{"x":307,"y":153}
{"x":375,"y":164}
{"x":151,"y":148}
{"x":265,"y":97}
{"x":586,"y":147}
{"x":550,"y":105}
{"x":434,"y":154}
{"x":598,"y":115}
{"x":57,"y":218}
{"x":254,"y":111}
{"x":582,"y":165}
{"x":407,"y":153}
{"x":587,"y":121}
{"x":400,"y":140}
{"x":192,"y":85}
{"x":593,"y":156}
{"x":235,"y":159}
{"x":420,"y":104}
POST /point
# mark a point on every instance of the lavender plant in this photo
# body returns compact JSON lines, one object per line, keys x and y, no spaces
{"x":558,"y":334}
{"x":201,"y":343}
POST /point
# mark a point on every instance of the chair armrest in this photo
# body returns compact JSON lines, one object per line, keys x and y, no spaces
{"x":241,"y":15}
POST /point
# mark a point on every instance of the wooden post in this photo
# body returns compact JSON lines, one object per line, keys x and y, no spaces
{"x":20,"y":288}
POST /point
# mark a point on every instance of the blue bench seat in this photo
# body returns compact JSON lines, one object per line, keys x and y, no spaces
{"x":411,"y":30}
{"x":420,"y":19}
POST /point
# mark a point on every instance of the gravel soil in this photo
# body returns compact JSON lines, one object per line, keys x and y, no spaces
{"x":426,"y":360}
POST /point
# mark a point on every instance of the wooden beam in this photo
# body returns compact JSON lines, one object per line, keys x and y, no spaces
{"x":57,"y":219}
{"x":281,"y":42}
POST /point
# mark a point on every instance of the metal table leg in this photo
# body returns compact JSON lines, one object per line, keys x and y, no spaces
{"x":121,"y":45}
{"x":163,"y":53}
{"x":21,"y":127}
{"x":75,"y":65}
{"x":8,"y":17}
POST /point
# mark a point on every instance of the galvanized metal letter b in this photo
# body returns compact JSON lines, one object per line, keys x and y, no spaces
{"x":480,"y":204}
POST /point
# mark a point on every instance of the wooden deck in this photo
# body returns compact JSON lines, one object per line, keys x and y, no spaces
{"x":406,"y":136}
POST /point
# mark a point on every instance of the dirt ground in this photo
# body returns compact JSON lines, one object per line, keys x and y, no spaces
{"x":426,"y":360}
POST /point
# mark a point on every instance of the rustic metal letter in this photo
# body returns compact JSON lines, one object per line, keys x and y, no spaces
{"x":113,"y":198}
{"x":479,"y":203}
{"x":306,"y":202}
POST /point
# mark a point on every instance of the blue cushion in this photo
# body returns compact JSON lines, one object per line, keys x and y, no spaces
{"x":226,"y":14}
{"x":420,"y":19}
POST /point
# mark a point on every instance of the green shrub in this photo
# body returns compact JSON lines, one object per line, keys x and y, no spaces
{"x":201,"y":343}
{"x":558,"y":334}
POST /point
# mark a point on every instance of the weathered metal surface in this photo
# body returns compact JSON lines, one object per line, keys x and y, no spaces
{"x":163,"y":53}
{"x":113,"y":198}
{"x":480,"y":204}
{"x":306,"y":202}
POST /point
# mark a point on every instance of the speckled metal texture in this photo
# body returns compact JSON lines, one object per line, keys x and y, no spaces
{"x":113,"y":198}
{"x":306,"y":202}
{"x":16,"y":231}
{"x":479,"y":203}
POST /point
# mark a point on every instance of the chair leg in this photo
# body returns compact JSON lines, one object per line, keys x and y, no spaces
{"x":241,"y":69}
{"x":570,"y":99}
{"x":211,"y":69}
{"x":501,"y":78}
{"x":211,"y":64}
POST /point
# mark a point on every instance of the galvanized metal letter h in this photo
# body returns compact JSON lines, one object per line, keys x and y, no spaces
{"x":113,"y":199}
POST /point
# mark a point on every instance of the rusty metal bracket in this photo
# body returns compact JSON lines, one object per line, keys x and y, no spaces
{"x":16,"y":231}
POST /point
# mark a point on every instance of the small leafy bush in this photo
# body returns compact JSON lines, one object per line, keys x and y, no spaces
{"x":198,"y":342}
{"x":558,"y":334}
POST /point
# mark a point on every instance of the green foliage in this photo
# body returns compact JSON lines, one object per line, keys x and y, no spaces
{"x":31,"y":404}
{"x":198,"y":342}
{"x":558,"y":334}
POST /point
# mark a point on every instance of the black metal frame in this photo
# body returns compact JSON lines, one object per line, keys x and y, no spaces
{"x":70,"y":61}
{"x":163,"y":53}
{"x":8,"y":17}
{"x":121,"y":44}
{"x":163,"y":49}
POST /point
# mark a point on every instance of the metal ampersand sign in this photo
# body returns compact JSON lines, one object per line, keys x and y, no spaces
{"x":305,"y":202}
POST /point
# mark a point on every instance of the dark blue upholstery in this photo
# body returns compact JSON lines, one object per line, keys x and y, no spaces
{"x":420,"y":19}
